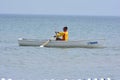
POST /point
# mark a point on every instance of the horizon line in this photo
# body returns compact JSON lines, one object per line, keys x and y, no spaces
{"x":58,"y":14}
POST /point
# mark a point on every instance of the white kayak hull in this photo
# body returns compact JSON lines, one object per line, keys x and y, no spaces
{"x":63,"y":44}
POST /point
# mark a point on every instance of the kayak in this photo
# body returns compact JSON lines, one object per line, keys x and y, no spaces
{"x":98,"y":43}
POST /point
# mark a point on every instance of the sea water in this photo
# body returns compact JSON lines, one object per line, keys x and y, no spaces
{"x":36,"y":63}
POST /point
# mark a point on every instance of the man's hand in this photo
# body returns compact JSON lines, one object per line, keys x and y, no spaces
{"x":54,"y":36}
{"x":56,"y":32}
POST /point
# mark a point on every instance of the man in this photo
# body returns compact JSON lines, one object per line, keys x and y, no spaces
{"x":63,"y":36}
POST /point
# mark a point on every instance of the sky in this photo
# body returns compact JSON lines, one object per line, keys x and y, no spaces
{"x":61,"y":7}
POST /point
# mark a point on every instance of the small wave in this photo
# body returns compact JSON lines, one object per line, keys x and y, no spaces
{"x":114,"y":48}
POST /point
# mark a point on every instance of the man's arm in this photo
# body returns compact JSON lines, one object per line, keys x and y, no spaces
{"x":59,"y":34}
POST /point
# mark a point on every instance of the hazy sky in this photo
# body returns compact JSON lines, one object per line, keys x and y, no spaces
{"x":61,"y":7}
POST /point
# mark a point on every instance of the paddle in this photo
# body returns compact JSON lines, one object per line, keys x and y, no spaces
{"x":45,"y":43}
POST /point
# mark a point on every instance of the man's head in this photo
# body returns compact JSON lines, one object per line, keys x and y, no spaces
{"x":65,"y":28}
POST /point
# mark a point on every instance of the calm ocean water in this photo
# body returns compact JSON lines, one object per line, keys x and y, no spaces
{"x":35,"y":63}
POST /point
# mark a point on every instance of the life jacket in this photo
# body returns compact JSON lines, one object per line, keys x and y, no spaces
{"x":65,"y":36}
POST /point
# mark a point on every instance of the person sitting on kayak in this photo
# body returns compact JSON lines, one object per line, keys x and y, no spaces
{"x":62,"y":35}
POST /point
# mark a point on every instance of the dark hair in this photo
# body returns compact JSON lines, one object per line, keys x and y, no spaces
{"x":66,"y":27}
